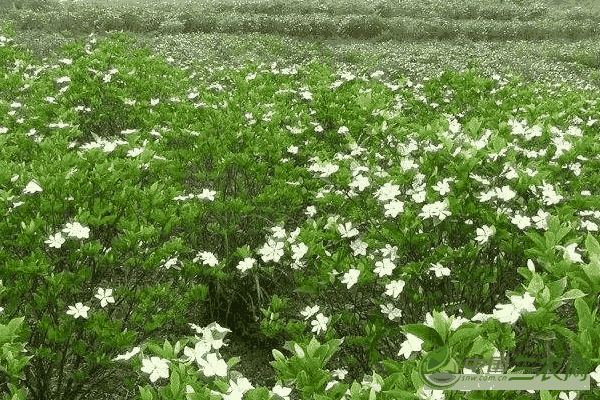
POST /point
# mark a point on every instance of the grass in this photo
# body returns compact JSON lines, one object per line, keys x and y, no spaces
{"x":546,"y":62}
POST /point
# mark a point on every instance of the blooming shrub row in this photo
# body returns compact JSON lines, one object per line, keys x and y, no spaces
{"x":344,"y":207}
{"x":435,"y":22}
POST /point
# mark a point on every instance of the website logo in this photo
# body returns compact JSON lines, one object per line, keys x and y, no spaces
{"x":439,"y":371}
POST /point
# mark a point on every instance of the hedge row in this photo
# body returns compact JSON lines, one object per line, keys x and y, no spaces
{"x":150,"y":20}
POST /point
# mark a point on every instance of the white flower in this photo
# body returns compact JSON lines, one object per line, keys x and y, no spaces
{"x":272,"y":250}
{"x":521,"y":221}
{"x":384,"y":267}
{"x":596,"y":374}
{"x":213,"y":366}
{"x":319,"y":323}
{"x":394,"y":288}
{"x":283,"y":392}
{"x":200,"y":350}
{"x":127,"y":355}
{"x":63,"y":79}
{"x":309,"y":311}
{"x":32,"y":187}
{"x":412,"y":343}
{"x":393,"y":208}
{"x":387,"y":192}
{"x":505,"y":193}
{"x":55,"y":241}
{"x":346,"y":230}
{"x":172,"y":262}
{"x":351,"y":277}
{"x":135,"y":152}
{"x":484,"y":233}
{"x":570,"y":252}
{"x":564,"y":396}
{"x":78,"y":311}
{"x":299,"y":250}
{"x":440,"y":270}
{"x":157,"y":368}
{"x":360,"y":182}
{"x":77,"y":230}
{"x":246,"y":264}
{"x":105,"y":296}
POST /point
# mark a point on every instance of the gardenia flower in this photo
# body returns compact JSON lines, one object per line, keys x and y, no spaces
{"x":272,"y":250}
{"x":237,"y":389}
{"x":570,"y":252}
{"x":393,"y":208}
{"x":32,"y":187}
{"x":55,"y":241}
{"x":246,"y":264}
{"x":387,"y":192}
{"x":196,"y":354}
{"x":440,"y":270}
{"x":319,"y":323}
{"x":127,"y":355}
{"x":483,"y":234}
{"x":359,"y":247}
{"x":157,"y":368}
{"x":394,"y":288}
{"x":384,"y":267}
{"x":412,"y":343}
{"x":309,"y":311}
{"x":213,"y":366}
{"x":77,"y":230}
{"x":78,"y":311}
{"x":346,"y":230}
{"x":351,"y":277}
{"x":105,"y":296}
{"x":282,"y":392}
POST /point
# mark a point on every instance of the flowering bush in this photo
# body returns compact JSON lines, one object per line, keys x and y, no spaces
{"x":386,"y":218}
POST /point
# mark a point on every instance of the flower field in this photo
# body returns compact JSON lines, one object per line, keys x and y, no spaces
{"x":177,"y":226}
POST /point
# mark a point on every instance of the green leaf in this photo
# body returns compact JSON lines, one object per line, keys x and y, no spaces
{"x":392,"y":366}
{"x":312,"y":347}
{"x":481,"y":347}
{"x":401,"y":394}
{"x":440,"y":324}
{"x":355,"y":389}
{"x":464,"y":335}
{"x":545,"y":295}
{"x":425,"y":333}
{"x":175,"y":383}
{"x":585,"y":316}
{"x":373,"y":394}
{"x":536,"y":284}
{"x":592,"y":246}
{"x":545,"y":395}
{"x":278,"y":355}
{"x":557,"y":287}
{"x":592,"y":269}
{"x":573,"y":294}
{"x":168,"y":350}
{"x":146,"y":393}
{"x":395,"y":380}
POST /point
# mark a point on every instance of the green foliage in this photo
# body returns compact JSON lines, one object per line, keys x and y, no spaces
{"x":361,"y":27}
{"x":195,"y":21}
{"x":172,"y":258}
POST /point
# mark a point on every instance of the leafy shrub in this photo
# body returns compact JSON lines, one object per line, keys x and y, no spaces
{"x":384,"y":9}
{"x":277,"y":7}
{"x":138,"y":19}
{"x":171,"y":26}
{"x":359,"y":27}
{"x":36,"y":5}
{"x":194,"y":21}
